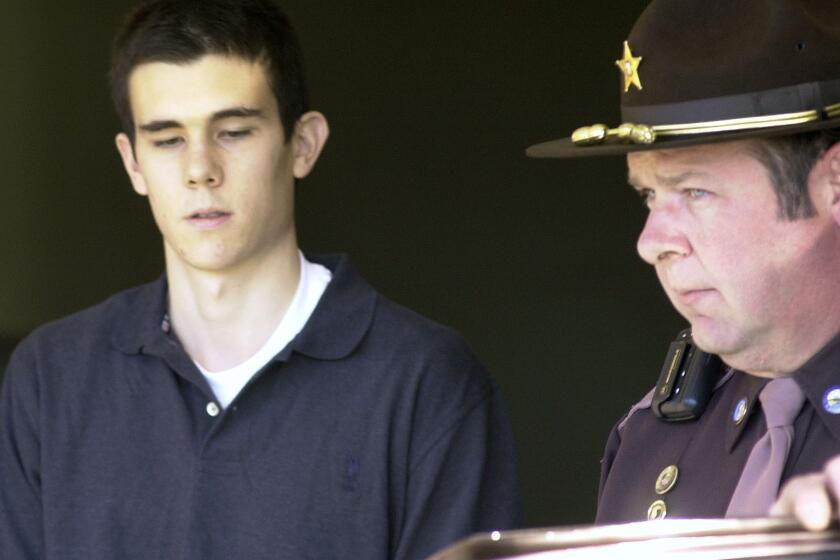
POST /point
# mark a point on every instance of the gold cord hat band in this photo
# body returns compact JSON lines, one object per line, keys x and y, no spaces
{"x":647,"y":134}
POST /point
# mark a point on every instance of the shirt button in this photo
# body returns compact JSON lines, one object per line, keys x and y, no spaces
{"x":212,"y":409}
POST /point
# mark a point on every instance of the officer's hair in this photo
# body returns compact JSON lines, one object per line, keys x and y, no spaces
{"x":182,"y":31}
{"x":789,"y":160}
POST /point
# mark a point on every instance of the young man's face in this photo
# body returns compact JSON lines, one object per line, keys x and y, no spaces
{"x":751,"y":284}
{"x":210,"y":155}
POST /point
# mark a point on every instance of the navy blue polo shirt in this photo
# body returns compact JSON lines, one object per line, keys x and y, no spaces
{"x":374,"y":434}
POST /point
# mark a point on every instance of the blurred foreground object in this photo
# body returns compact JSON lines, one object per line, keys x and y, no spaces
{"x":680,"y":539}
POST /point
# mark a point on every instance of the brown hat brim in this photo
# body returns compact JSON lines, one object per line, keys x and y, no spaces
{"x":565,"y":148}
{"x":694,"y":72}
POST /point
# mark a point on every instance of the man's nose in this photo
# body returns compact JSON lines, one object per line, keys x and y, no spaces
{"x":663,"y":236}
{"x":202,"y":167}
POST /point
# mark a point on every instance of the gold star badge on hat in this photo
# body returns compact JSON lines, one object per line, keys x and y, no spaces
{"x":629,"y":66}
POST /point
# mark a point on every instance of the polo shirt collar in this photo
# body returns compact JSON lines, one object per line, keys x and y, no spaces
{"x":139,"y":317}
{"x":338,"y":324}
{"x":342,"y":317}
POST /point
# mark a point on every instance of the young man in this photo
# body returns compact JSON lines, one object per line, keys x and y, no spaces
{"x":732,"y":112}
{"x":253,"y":402}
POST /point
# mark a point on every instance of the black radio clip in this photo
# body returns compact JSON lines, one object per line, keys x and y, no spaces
{"x":686,"y":382}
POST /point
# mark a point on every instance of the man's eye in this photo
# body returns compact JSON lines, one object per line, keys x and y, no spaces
{"x":696,"y":193}
{"x":167,"y":142}
{"x":234,"y":134}
{"x":647,"y":195}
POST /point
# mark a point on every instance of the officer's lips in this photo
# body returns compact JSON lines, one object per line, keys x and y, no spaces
{"x":210,"y":218}
{"x":692,"y":296}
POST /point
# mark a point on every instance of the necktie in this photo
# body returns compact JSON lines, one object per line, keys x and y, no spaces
{"x":781,"y":400}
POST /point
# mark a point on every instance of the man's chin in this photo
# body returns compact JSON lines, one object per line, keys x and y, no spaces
{"x":731,"y":348}
{"x":710,"y":338}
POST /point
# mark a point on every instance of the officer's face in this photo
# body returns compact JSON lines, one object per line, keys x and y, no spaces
{"x":753,"y":286}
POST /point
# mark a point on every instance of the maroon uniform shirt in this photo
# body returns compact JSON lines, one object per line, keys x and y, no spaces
{"x":709,"y":453}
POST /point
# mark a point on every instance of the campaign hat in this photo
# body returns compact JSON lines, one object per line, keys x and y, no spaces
{"x":699,"y":71}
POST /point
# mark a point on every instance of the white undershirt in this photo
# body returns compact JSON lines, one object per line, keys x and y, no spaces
{"x":227,"y":383}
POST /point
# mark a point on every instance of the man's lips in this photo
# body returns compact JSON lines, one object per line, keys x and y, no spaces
{"x":208,"y":219}
{"x":692,"y":296}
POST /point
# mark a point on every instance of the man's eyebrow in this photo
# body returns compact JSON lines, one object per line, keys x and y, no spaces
{"x":155,"y":126}
{"x":240,"y":112}
{"x":676,"y":180}
{"x":235,"y":112}
{"x":665,"y":180}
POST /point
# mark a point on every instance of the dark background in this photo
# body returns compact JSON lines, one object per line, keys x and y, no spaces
{"x":424,"y":182}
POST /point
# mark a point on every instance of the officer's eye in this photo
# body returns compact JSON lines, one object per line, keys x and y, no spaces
{"x":696,"y":193}
{"x":647,"y":195}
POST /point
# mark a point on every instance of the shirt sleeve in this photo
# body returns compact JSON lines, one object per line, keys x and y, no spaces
{"x":465,"y":482}
{"x":21,"y":524}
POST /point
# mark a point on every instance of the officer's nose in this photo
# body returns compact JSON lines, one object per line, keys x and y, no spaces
{"x":662,"y":237}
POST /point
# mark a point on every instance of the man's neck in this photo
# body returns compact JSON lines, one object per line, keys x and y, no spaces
{"x":794,"y":355}
{"x":223,"y":318}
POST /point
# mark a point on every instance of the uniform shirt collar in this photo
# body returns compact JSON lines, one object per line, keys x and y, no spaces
{"x":818,"y":377}
{"x":745,"y":388}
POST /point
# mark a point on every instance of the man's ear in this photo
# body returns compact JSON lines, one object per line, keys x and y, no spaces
{"x":130,"y":163}
{"x":832,"y":160}
{"x":311,"y":132}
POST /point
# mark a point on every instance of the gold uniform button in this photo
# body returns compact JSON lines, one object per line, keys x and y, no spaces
{"x":667,"y":479}
{"x":657,"y":510}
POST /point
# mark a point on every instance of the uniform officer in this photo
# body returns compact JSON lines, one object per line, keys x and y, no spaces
{"x":731,"y":115}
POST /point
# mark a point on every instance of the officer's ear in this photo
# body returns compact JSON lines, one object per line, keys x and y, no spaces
{"x":831,"y":158}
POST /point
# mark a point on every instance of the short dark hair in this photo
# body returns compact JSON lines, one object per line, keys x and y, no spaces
{"x":181,"y":31}
{"x":789,"y":161}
